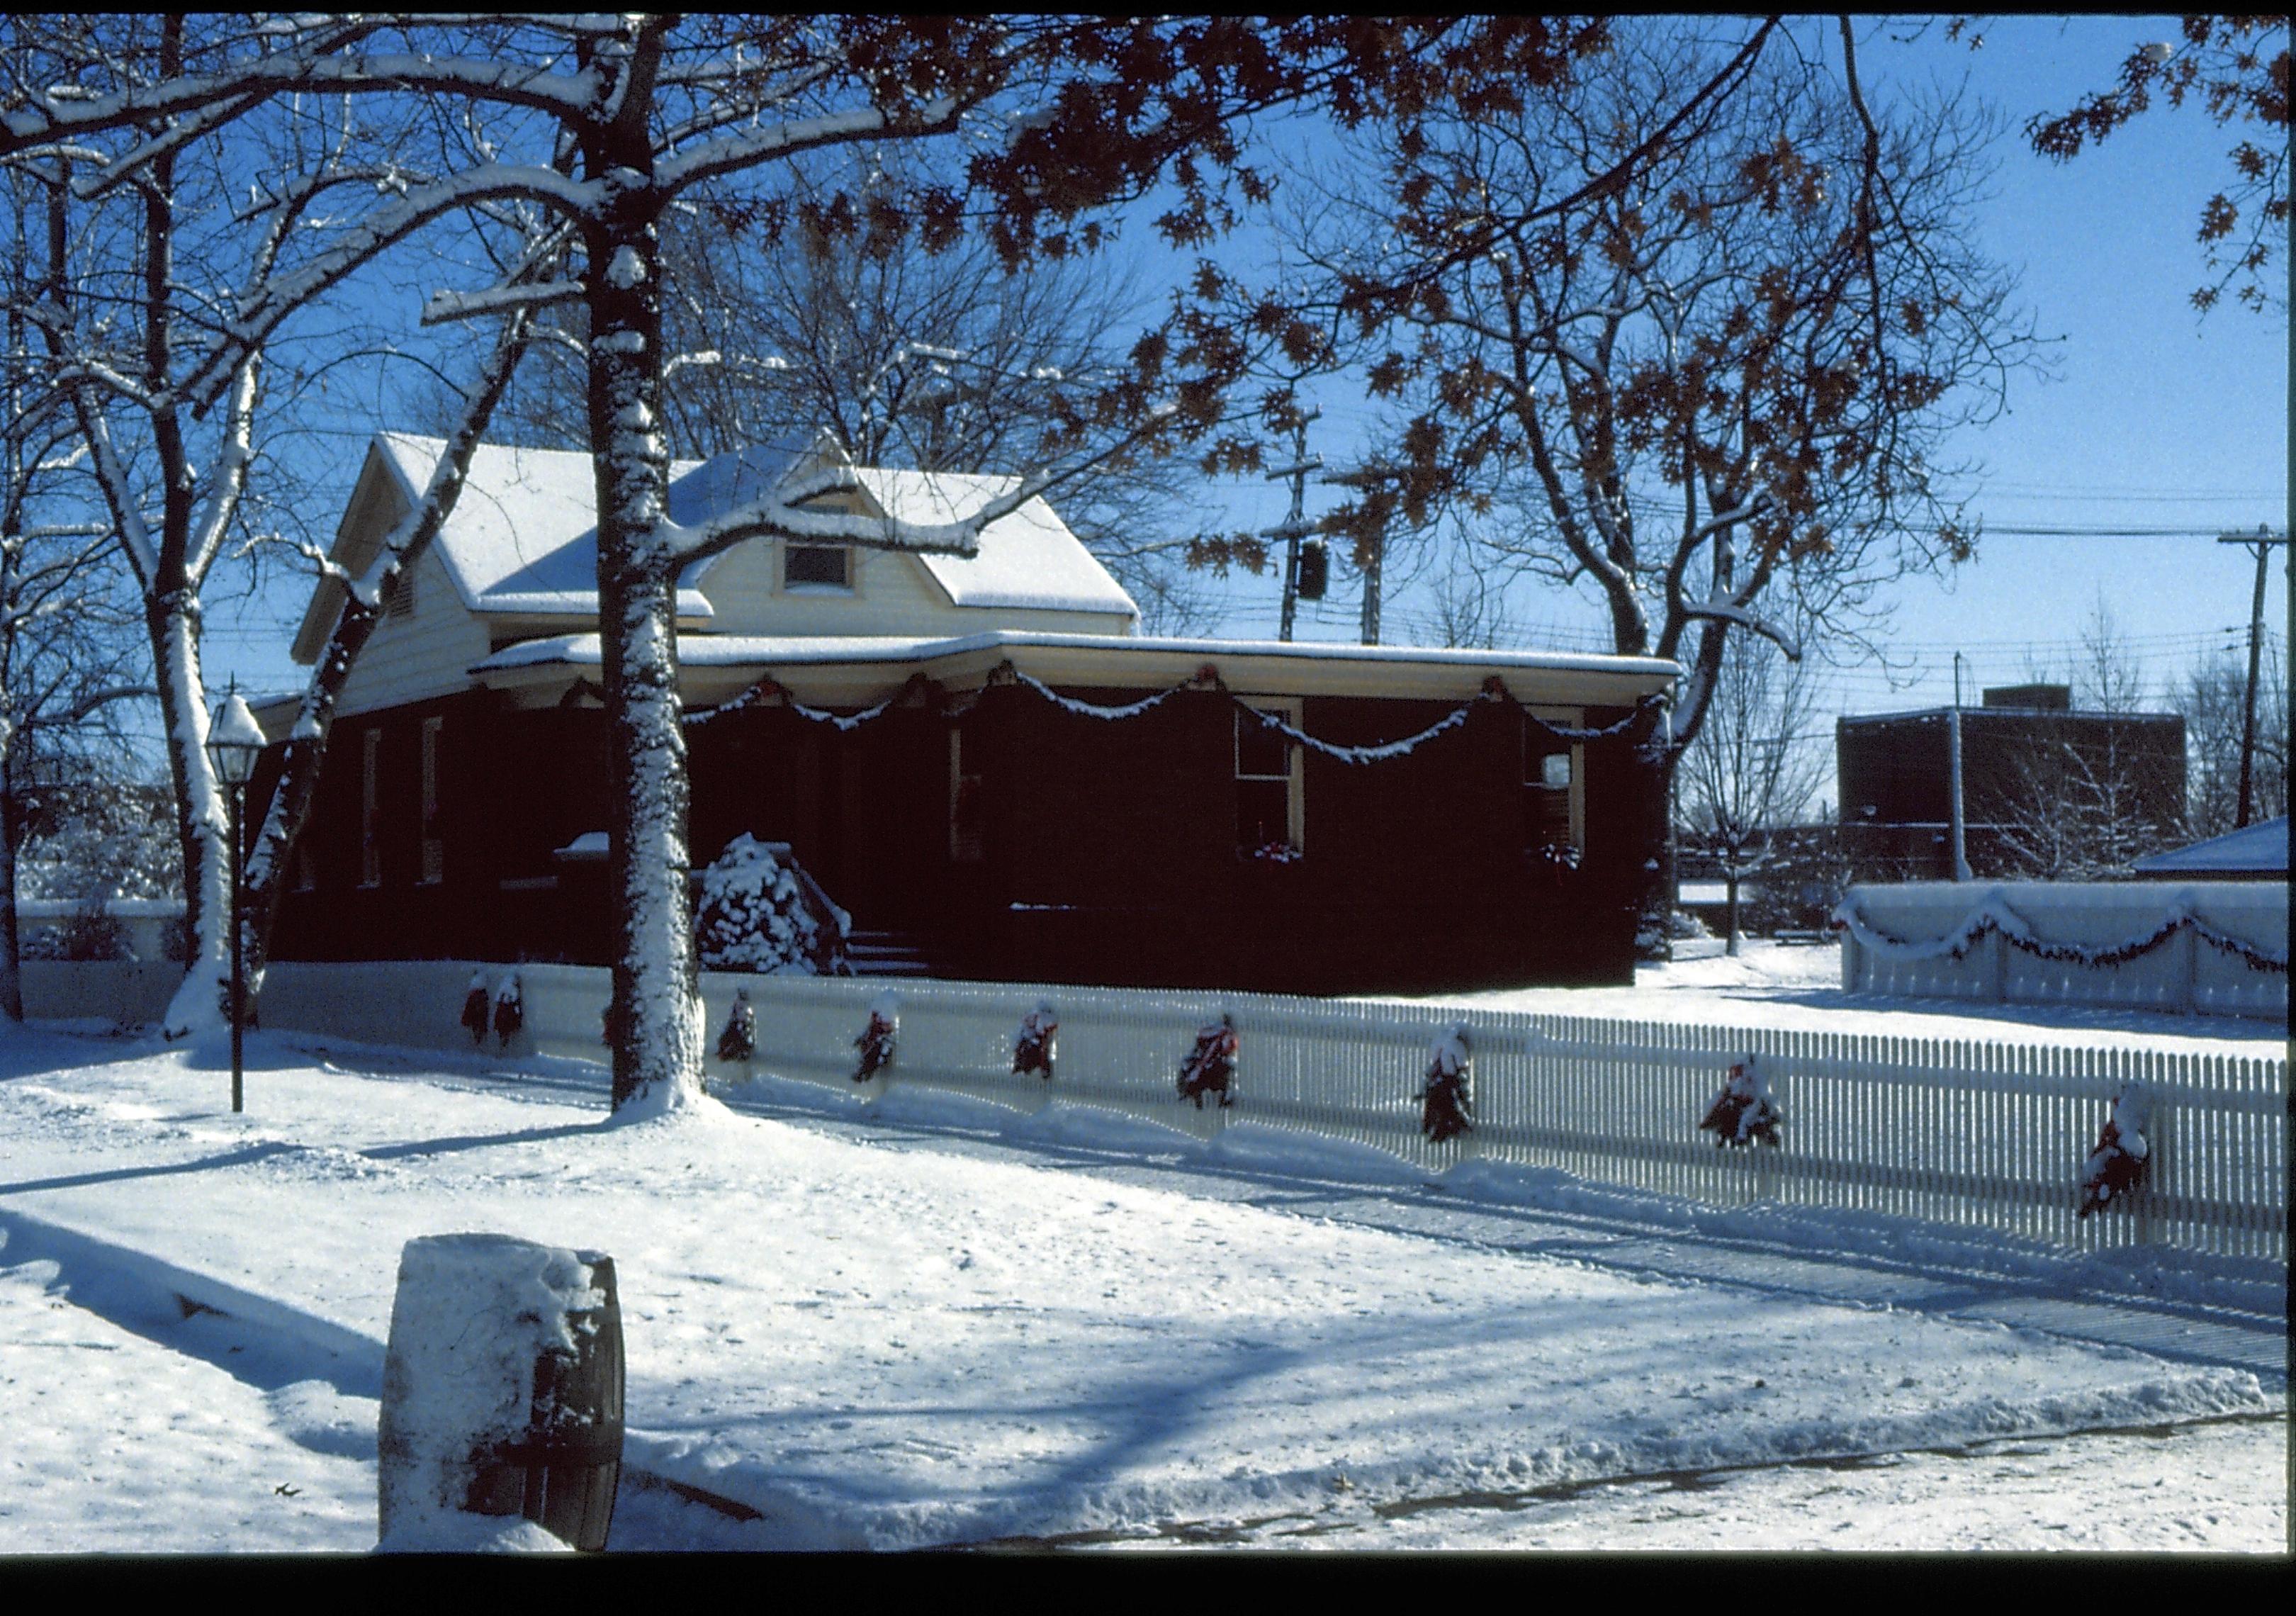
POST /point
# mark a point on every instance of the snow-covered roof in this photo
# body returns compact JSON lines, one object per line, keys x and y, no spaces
{"x":867,"y":666}
{"x":524,"y":535}
{"x":2259,"y":850}
{"x":1028,"y":558}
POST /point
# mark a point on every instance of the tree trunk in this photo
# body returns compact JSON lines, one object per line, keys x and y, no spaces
{"x":1730,"y":886}
{"x":11,"y":976}
{"x":1650,"y":851}
{"x":654,"y":1016}
{"x":172,"y":617}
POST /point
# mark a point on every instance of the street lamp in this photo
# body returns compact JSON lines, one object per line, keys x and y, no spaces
{"x":234,"y":744}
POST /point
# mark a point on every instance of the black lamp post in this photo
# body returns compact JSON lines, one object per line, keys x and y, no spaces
{"x":234,"y":744}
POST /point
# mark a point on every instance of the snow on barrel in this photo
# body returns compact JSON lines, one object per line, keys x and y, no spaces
{"x":502,"y":1397}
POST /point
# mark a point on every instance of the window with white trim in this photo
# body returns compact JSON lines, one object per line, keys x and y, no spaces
{"x":434,"y":846}
{"x":1270,"y":816}
{"x":370,"y":821}
{"x":1553,"y":814}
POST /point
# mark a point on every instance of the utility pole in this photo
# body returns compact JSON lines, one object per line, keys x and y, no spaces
{"x":1295,"y":526}
{"x":1953,"y":774}
{"x":2261,"y":541}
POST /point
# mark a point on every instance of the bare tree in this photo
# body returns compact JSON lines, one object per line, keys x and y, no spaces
{"x":65,"y":641}
{"x":1757,"y":765}
{"x":2087,"y":805}
{"x":2213,"y":700}
{"x":1069,"y":114}
{"x":1686,"y":335}
{"x":930,"y":361}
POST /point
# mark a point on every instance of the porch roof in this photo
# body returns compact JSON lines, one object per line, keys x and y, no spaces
{"x":861,"y":669}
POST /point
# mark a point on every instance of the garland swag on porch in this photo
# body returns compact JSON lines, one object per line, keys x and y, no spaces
{"x":919,"y":691}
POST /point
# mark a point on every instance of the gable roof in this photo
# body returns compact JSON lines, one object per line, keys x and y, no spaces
{"x":523,"y":537}
{"x":2256,"y":850}
{"x":1028,"y":559}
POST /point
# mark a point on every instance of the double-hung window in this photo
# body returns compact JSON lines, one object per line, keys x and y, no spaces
{"x":434,"y":845}
{"x":1270,"y":816}
{"x":1553,"y":810}
{"x":370,"y":801}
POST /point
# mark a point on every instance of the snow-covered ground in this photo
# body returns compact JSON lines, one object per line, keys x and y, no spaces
{"x":926,"y":1321}
{"x":1770,"y":984}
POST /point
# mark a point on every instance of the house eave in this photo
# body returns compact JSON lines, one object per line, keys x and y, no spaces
{"x":861,"y":669}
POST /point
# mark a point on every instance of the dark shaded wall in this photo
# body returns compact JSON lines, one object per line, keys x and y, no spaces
{"x":1109,"y":849}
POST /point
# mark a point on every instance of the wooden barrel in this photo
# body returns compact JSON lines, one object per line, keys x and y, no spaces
{"x":502,"y":1390}
{"x":561,"y":1473}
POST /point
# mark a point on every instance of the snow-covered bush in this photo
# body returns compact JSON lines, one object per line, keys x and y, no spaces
{"x":754,"y":916}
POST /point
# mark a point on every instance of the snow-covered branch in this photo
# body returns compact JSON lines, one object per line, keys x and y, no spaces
{"x":449,"y":305}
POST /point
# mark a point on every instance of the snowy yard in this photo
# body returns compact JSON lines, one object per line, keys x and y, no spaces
{"x":928,"y":1322}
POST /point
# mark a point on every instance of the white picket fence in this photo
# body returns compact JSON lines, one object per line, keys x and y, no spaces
{"x":1969,"y":1132}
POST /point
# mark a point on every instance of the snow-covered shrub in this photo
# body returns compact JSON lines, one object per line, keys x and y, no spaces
{"x":753,"y":915}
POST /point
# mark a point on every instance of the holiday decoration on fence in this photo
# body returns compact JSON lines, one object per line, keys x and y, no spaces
{"x":474,"y":1008}
{"x":1210,"y":1066}
{"x":1744,"y":1110}
{"x":1276,"y":852}
{"x":1032,"y":1044}
{"x":1994,"y":914}
{"x":2116,"y":1168}
{"x":1561,"y":855}
{"x":1446,"y":1095}
{"x":739,"y":1041}
{"x":876,"y":1040}
{"x":753,"y":914}
{"x":509,"y":1010}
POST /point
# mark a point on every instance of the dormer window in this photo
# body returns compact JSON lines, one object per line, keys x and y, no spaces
{"x":816,"y":566}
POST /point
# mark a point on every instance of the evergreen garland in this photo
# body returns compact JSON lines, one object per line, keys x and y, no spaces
{"x":1744,"y":1110}
{"x":474,"y":1008}
{"x":2116,"y":1169}
{"x":1033,"y":1043}
{"x":876,"y":1040}
{"x":739,"y":1042}
{"x":1447,"y":1093}
{"x":509,"y":1010}
{"x":1210,"y":1066}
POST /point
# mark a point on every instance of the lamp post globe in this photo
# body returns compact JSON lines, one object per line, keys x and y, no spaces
{"x":235,"y":742}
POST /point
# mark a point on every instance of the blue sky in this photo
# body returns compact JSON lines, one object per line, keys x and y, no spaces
{"x":2158,"y":418}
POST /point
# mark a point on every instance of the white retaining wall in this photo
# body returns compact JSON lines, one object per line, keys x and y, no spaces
{"x":1968,"y":1132}
{"x":126,"y":991}
{"x":2187,"y":973}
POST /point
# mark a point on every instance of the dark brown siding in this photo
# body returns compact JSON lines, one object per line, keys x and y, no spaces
{"x":1110,"y":846}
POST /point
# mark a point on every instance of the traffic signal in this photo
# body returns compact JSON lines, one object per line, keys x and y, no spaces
{"x":1315,"y":570}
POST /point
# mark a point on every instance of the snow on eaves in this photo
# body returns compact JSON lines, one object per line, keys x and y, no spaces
{"x":1028,"y":560}
{"x":742,"y":650}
